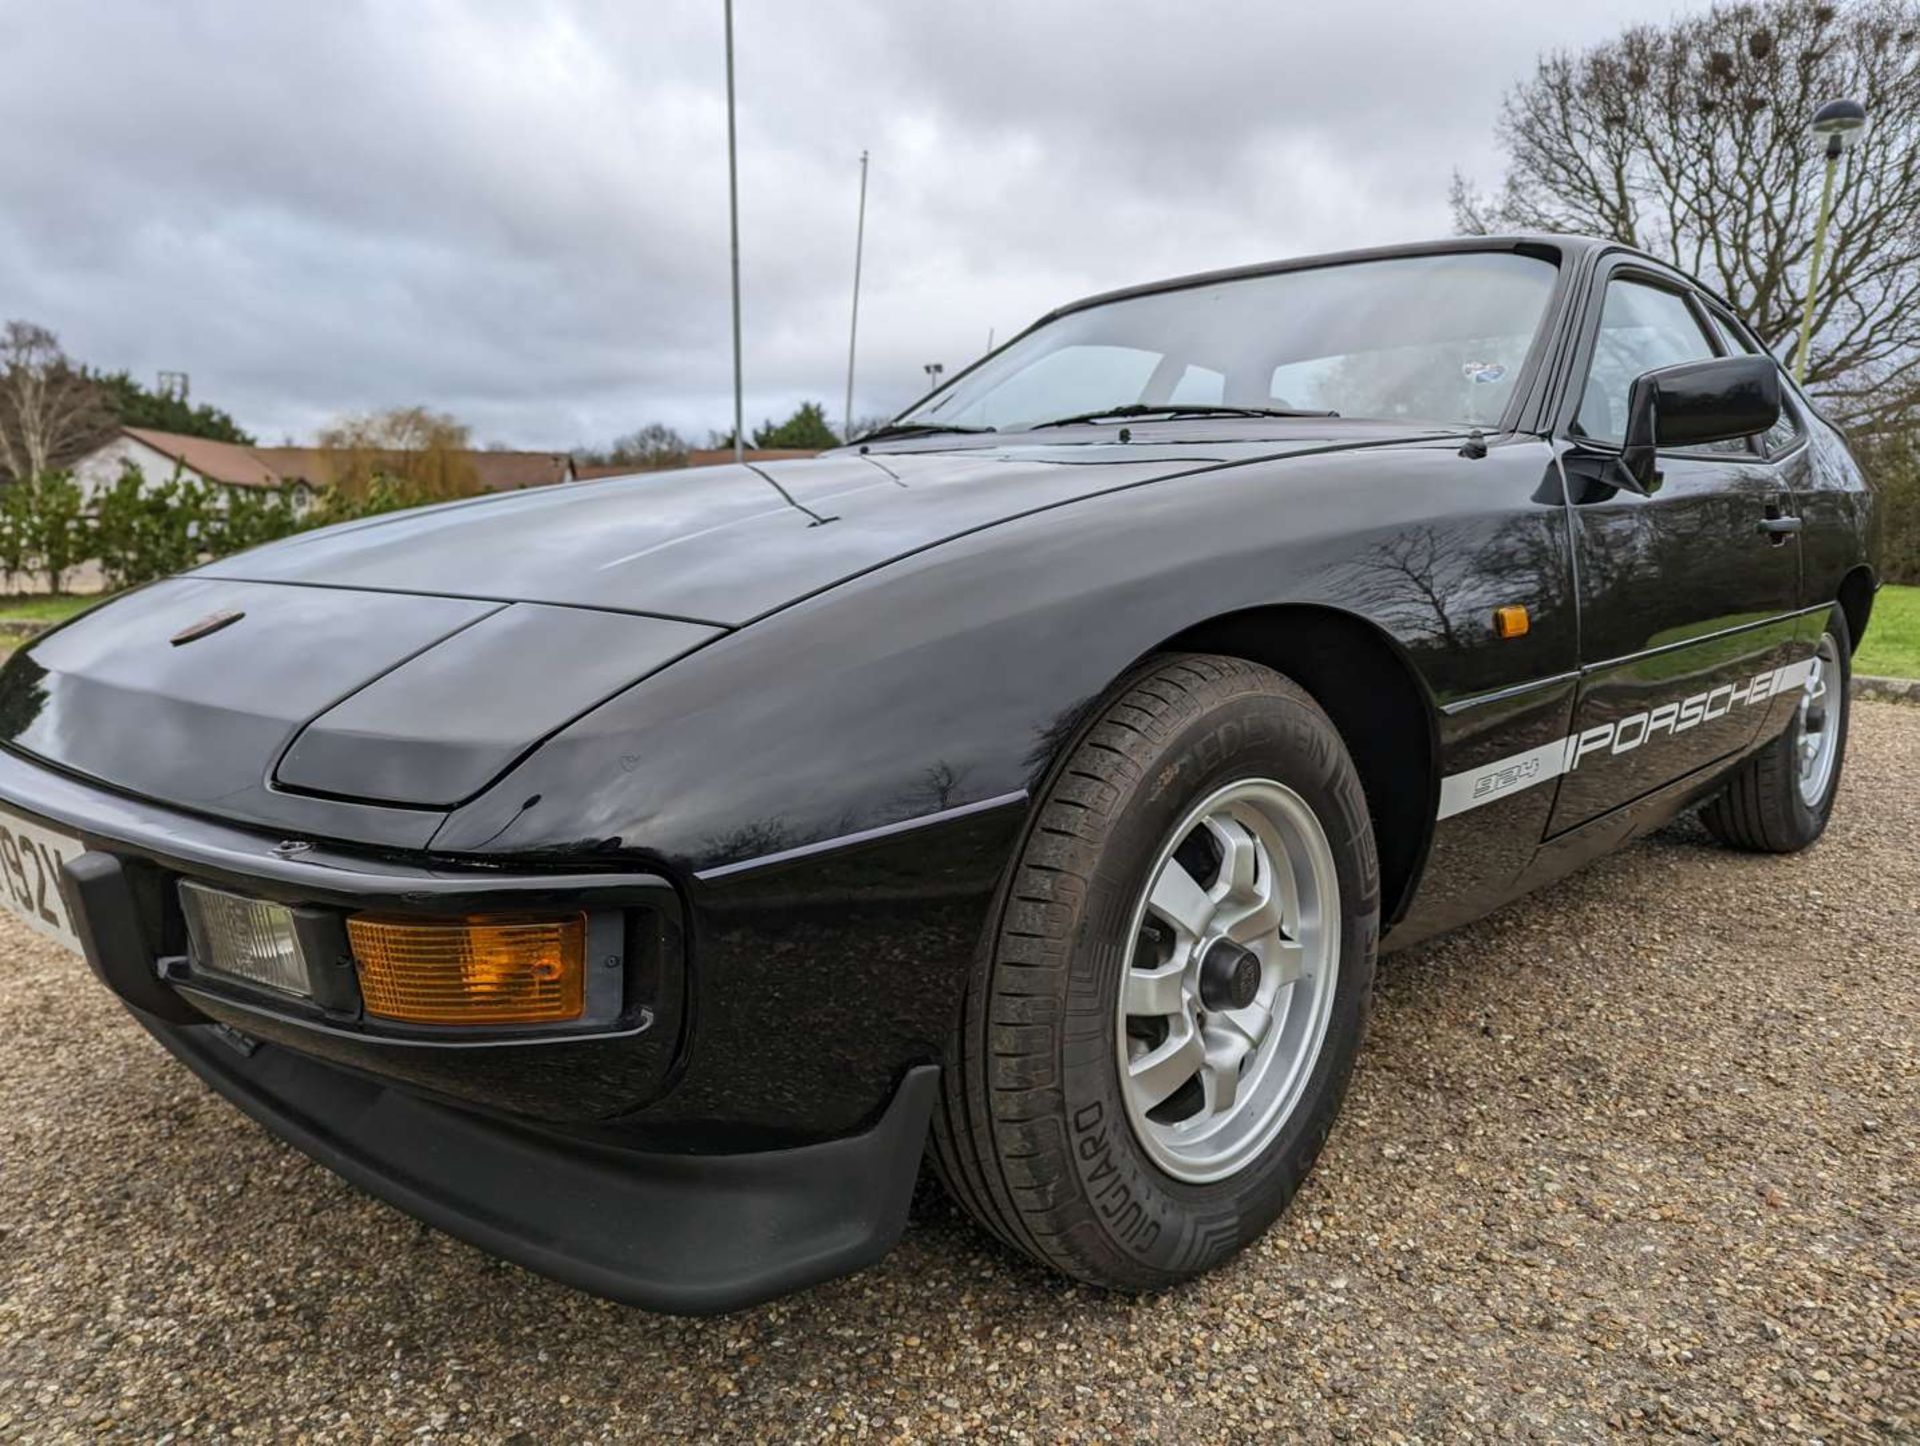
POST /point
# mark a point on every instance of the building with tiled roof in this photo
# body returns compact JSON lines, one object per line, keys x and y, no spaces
{"x":160,"y":455}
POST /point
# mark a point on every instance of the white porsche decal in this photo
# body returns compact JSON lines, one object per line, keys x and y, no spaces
{"x":1462,"y":791}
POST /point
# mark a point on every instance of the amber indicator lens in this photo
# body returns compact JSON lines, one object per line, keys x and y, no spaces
{"x":1511,"y":622}
{"x":471,"y":971}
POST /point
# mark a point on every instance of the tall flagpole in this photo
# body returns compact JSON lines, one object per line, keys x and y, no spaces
{"x":853,"y":326}
{"x":733,"y":221}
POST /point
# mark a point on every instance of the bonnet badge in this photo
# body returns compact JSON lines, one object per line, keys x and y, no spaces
{"x":212,"y":623}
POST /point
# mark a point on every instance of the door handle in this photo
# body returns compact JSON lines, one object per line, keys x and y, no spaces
{"x":1779,"y":524}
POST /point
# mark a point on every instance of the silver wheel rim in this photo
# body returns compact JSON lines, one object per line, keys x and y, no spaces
{"x":1818,"y":739}
{"x":1209,"y":1081}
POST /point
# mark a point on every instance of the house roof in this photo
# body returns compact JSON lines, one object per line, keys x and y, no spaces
{"x":228,"y":462}
{"x":699,"y":457}
{"x":509,"y":471}
{"x":242,"y":466}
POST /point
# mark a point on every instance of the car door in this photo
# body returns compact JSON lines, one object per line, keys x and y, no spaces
{"x":1786,"y":446}
{"x":1686,"y":595}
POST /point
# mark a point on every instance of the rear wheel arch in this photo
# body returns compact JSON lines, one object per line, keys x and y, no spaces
{"x":1376,"y":700}
{"x":1856,"y":601}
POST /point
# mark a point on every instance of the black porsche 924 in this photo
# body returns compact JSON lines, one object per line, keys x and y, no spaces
{"x":637,"y":877}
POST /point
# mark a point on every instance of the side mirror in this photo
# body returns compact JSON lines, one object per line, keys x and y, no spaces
{"x":1696,"y":403}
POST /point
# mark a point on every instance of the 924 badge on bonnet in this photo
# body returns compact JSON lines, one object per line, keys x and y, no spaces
{"x":212,"y":623}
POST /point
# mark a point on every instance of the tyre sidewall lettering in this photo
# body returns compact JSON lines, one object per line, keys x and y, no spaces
{"x":1127,"y":1218}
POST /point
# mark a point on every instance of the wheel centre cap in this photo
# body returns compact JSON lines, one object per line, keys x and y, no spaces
{"x":1229,"y":976}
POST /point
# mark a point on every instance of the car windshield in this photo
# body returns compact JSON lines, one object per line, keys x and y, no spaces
{"x":1429,"y":338}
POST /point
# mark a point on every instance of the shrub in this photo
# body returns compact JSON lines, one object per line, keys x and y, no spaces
{"x":142,"y":531}
{"x":16,"y":540}
{"x":1892,"y":463}
{"x":250,"y":517}
{"x":44,"y":527}
{"x":381,"y":494}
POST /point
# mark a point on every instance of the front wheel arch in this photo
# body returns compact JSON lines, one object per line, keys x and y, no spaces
{"x":1376,"y":700}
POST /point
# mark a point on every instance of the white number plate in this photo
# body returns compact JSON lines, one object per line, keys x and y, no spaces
{"x":30,"y":858}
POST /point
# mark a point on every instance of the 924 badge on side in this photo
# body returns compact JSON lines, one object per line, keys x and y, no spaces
{"x":638,"y":877}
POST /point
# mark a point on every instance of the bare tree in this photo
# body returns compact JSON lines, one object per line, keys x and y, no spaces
{"x":428,"y":450}
{"x":1690,"y":141}
{"x":654,"y":445}
{"x":51,"y":411}
{"x":1412,"y":578}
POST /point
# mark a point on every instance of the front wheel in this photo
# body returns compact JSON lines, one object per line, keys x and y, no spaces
{"x":1167,"y":1009}
{"x":1779,"y":800}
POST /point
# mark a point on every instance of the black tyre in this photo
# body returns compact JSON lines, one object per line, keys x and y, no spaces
{"x":1168,"y":1003}
{"x":1779,"y":800}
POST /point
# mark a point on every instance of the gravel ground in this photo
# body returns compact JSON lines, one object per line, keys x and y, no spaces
{"x":1637,"y":1154}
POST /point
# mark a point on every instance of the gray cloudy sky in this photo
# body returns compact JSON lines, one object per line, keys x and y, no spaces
{"x":517,"y":212}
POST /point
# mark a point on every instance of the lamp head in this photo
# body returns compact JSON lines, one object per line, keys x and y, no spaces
{"x":1840,"y":123}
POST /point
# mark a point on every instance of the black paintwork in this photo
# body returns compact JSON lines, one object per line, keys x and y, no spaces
{"x":815,"y":695}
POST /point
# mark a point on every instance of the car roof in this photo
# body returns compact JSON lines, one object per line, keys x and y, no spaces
{"x":1557,"y":246}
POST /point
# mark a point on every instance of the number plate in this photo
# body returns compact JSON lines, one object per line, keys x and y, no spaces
{"x":30,"y":858}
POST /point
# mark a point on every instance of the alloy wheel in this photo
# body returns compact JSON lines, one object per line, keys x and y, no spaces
{"x":1227,"y":993}
{"x":1818,"y":740}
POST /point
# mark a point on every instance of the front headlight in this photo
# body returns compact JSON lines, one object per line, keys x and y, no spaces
{"x":249,"y":941}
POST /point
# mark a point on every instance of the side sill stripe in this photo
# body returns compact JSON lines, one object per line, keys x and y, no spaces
{"x":865,"y":835}
{"x":1460,"y":792}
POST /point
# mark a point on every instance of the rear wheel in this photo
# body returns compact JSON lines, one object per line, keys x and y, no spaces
{"x":1779,"y":800}
{"x":1167,"y":1008}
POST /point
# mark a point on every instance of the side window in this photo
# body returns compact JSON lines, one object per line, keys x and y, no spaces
{"x":1784,"y":433}
{"x":1642,"y":327}
{"x":1729,"y":334}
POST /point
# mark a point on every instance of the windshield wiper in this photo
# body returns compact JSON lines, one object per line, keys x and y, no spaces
{"x":1197,"y":409}
{"x":918,"y":429}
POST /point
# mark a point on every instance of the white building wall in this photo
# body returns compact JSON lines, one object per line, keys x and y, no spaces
{"x":100,"y":468}
{"x":94,"y":474}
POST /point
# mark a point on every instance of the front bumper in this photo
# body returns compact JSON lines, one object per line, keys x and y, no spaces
{"x":690,"y":1234}
{"x":517,"y":1143}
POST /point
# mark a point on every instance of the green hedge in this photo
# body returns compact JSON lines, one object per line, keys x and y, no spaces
{"x":1892,"y":464}
{"x":139,"y":531}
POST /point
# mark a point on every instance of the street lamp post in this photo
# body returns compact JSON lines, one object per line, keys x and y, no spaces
{"x":733,"y":225}
{"x":853,"y":326}
{"x":934,"y":371}
{"x":1839,"y":123}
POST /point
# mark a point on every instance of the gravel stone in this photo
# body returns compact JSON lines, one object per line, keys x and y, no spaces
{"x":1633,"y":1156}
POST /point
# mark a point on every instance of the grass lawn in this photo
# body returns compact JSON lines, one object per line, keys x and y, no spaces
{"x":35,"y":608}
{"x":1892,"y":646}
